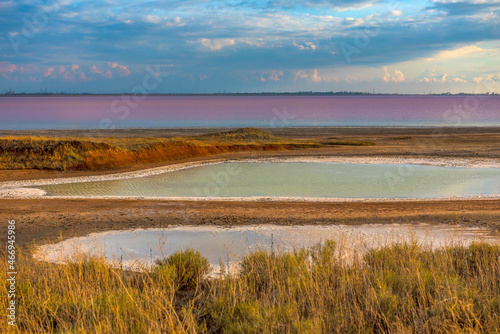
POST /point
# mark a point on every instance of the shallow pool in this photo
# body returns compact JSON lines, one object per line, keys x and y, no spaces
{"x":297,"y":179}
{"x":136,"y":248}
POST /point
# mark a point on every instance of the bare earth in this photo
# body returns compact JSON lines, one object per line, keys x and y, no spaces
{"x":41,"y":220}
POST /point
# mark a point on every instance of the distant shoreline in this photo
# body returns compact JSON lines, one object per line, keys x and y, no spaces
{"x":465,"y":128}
{"x":245,"y":94}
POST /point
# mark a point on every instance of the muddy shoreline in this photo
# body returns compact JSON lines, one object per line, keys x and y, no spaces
{"x":48,"y":220}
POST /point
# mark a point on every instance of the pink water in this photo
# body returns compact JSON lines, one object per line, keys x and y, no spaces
{"x":237,"y":111}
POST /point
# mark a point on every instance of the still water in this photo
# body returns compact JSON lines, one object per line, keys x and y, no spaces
{"x":297,"y":179}
{"x":136,"y":248}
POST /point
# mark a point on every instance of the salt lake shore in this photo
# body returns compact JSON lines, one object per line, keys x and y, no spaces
{"x":41,"y":219}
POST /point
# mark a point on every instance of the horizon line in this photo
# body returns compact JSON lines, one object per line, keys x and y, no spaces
{"x":299,"y":93}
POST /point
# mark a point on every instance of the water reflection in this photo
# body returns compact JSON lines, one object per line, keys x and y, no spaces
{"x":139,"y":248}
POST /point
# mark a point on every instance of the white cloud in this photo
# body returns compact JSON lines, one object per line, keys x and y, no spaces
{"x":315,"y":76}
{"x":488,"y":77}
{"x":312,"y":75}
{"x":275,"y":75}
{"x":397,"y":77}
{"x":354,"y":22}
{"x":299,"y":75}
{"x":217,"y":44}
{"x":175,"y":22}
{"x":459,"y":52}
{"x":271,"y":76}
{"x":6,"y":67}
{"x":458,"y":80}
{"x":49,"y":72}
{"x":94,"y":69}
{"x":152,"y":19}
{"x":431,"y":76}
{"x":259,"y":42}
{"x":121,"y":69}
{"x":306,"y":46}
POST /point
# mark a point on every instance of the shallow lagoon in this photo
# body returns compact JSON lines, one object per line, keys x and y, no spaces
{"x":297,"y":179}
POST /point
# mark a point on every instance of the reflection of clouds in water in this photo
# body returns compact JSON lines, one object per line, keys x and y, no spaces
{"x":133,"y":249}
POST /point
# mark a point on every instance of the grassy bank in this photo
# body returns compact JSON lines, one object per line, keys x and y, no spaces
{"x":403,"y":288}
{"x":113,"y":153}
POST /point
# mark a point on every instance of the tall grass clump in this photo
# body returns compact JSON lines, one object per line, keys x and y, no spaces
{"x":186,"y":269}
{"x":401,"y":288}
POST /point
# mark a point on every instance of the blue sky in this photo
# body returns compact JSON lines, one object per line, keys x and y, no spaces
{"x":197,"y":46}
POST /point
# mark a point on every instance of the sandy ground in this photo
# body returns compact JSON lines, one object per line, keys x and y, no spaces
{"x":44,"y":219}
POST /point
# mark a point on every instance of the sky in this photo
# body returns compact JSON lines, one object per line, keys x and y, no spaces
{"x":198,"y":46}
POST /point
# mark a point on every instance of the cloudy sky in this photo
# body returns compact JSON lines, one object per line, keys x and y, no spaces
{"x":198,"y":46}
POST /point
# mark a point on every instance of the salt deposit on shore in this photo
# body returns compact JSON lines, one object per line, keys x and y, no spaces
{"x":21,"y":193}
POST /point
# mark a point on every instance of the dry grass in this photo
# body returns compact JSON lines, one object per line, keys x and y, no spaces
{"x":112,"y":153}
{"x":402,"y":288}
